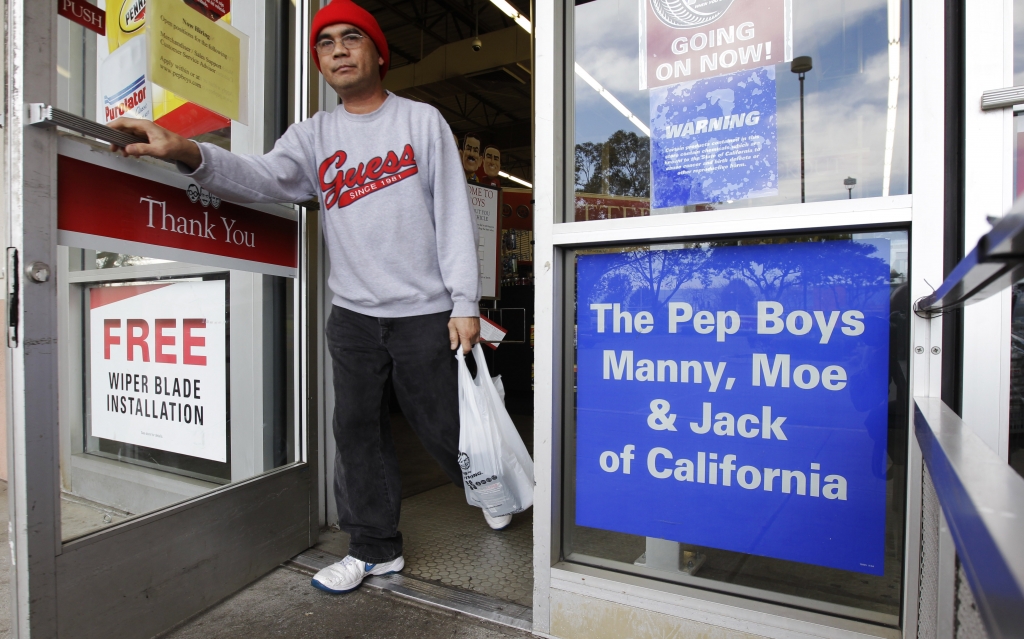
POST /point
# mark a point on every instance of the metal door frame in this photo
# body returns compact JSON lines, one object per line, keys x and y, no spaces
{"x":147,"y":574}
{"x":987,"y":191}
{"x":562,"y":589}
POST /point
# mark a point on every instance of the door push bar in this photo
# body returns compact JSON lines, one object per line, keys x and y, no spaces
{"x":995,"y":263}
{"x":45,"y":116}
{"x":1002,"y":98}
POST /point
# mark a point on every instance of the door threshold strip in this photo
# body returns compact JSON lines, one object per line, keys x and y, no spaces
{"x":466,"y":602}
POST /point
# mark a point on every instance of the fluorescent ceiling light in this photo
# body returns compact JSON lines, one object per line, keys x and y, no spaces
{"x":523,"y":22}
{"x":894,"y":92}
{"x":515,"y":179}
{"x":621,"y":108}
{"x":511,"y":12}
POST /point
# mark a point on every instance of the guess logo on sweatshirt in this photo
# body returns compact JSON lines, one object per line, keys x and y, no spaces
{"x":355,"y":183}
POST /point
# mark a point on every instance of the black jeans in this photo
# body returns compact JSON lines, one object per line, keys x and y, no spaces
{"x":369,"y":354}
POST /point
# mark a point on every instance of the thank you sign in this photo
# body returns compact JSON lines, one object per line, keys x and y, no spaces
{"x":105,"y":209}
{"x":736,"y":397}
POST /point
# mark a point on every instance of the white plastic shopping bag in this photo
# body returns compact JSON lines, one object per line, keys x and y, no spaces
{"x":500,"y":387}
{"x":497,"y":470}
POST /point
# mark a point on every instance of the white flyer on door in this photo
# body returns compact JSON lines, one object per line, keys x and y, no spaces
{"x":158,"y":366}
{"x":124,"y":84}
{"x":485,"y":202}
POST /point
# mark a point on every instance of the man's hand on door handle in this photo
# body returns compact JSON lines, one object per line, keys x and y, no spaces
{"x":163,"y":144}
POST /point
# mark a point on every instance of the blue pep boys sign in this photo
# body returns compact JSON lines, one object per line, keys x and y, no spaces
{"x":736,"y":397}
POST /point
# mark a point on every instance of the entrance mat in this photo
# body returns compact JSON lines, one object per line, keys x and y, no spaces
{"x":447,"y":542}
{"x":469,"y":603}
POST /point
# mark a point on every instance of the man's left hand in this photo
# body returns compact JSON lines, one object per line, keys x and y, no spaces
{"x":464,"y":330}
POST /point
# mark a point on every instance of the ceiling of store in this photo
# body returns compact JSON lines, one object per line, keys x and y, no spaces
{"x":487,"y":91}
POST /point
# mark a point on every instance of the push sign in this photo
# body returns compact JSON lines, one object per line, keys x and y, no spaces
{"x":737,"y":398}
{"x":83,"y":13}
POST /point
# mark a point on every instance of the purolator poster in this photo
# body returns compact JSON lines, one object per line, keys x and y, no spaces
{"x":736,"y":397}
{"x":683,"y":40}
{"x":714,"y":140}
{"x":158,"y":366}
{"x":124,"y":83}
{"x":128,"y":21}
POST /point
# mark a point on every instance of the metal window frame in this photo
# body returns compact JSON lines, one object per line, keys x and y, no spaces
{"x":988,"y":191}
{"x":137,"y":578}
{"x":921,"y":212}
{"x":796,"y":607}
{"x":245,"y":453}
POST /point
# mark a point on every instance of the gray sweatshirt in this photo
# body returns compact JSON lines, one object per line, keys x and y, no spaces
{"x":396,"y":216}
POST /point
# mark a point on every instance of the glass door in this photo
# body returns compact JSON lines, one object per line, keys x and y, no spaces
{"x":157,"y":334}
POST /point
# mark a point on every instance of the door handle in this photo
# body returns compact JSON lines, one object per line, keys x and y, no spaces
{"x":45,"y":116}
{"x":1002,"y":98}
{"x":13,"y":296}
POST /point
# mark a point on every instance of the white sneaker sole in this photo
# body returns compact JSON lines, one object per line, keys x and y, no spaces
{"x":498,"y":523}
{"x":373,"y":573}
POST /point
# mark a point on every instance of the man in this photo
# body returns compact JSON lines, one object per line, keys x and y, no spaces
{"x":471,"y":156}
{"x":492,"y":166}
{"x":402,"y":243}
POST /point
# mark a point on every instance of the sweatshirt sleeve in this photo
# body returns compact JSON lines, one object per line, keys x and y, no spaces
{"x":457,"y":236}
{"x":282,"y":175}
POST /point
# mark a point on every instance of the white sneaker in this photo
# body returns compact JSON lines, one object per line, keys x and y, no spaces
{"x":497,"y":523}
{"x":347,"y":574}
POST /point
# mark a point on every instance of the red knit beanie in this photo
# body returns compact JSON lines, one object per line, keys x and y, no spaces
{"x":348,"y":12}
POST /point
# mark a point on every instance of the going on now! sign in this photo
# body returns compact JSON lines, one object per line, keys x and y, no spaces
{"x":690,"y":40}
{"x":158,"y":371}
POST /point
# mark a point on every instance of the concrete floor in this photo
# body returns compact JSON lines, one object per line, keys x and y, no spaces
{"x":283,"y":604}
{"x":439,"y":529}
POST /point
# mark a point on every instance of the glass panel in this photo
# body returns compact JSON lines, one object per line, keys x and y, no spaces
{"x":177,"y":371}
{"x":104,"y":77}
{"x":181,"y":379}
{"x":1016,"y":444}
{"x":727,"y":131}
{"x":1018,"y":43}
{"x":1016,"y":448}
{"x":740,"y":418}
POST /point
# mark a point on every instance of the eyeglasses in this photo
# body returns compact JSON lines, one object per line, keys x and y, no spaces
{"x":349,"y":41}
